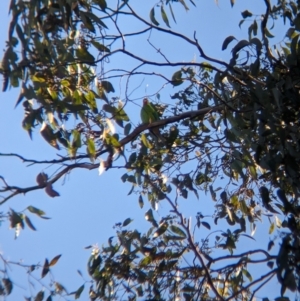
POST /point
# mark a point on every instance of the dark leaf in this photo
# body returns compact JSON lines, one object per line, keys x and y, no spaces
{"x":227,"y":41}
{"x":152,"y":17}
{"x":79,"y":291}
{"x":206,"y":225}
{"x":99,"y":46}
{"x":102,"y":4}
{"x":45,"y":268}
{"x":29,"y":223}
{"x":246,"y":14}
{"x":126,"y":222}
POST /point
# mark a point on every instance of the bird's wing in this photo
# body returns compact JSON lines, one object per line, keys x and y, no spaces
{"x":145,"y":115}
{"x":152,"y":112}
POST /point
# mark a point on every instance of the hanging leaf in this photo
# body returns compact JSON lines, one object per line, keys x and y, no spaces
{"x":240,"y":45}
{"x":164,"y":16}
{"x":29,"y":223}
{"x":91,"y":149}
{"x":227,"y":41}
{"x":184,"y":5}
{"x":172,"y":13}
{"x":152,"y":17}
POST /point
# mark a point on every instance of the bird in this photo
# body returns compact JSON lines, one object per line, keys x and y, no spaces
{"x":149,"y":114}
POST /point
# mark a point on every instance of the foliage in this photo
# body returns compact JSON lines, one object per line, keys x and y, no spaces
{"x":230,"y":134}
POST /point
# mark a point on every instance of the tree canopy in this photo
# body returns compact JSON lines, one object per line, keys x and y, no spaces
{"x":223,"y":131}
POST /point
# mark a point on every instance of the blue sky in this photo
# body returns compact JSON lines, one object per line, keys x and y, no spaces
{"x":90,"y":204}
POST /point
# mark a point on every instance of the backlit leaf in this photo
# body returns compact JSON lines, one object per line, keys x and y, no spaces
{"x":164,"y":16}
{"x":54,"y":260}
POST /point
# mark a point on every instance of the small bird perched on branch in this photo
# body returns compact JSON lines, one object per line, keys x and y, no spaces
{"x":149,"y":114}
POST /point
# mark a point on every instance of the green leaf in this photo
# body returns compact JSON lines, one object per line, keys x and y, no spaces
{"x":268,"y":34}
{"x":87,"y":21}
{"x":107,"y":86}
{"x":36,"y":211}
{"x":177,"y":78}
{"x":152,"y":17}
{"x":83,"y":55}
{"x":100,"y":47}
{"x":272,"y":228}
{"x":146,"y":141}
{"x":248,"y":275}
{"x":91,"y":149}
{"x":177,"y":230}
{"x":102,"y":4}
{"x":184,"y":5}
{"x":76,"y":143}
{"x":164,"y":16}
{"x":96,"y":19}
{"x":114,"y":141}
